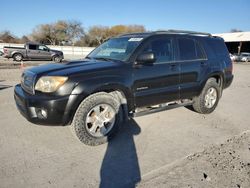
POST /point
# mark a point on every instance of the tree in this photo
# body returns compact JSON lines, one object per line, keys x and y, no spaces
{"x":98,"y":34}
{"x":44,"y":34}
{"x":122,"y":29}
{"x":75,"y":31}
{"x":58,"y":32}
{"x":72,"y":32}
{"x":24,"y":39}
{"x":7,"y":37}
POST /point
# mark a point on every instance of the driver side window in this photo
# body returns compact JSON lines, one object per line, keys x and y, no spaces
{"x":43,"y":48}
{"x":162,"y":49}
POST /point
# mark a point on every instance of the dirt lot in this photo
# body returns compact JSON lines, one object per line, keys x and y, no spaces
{"x":176,"y":148}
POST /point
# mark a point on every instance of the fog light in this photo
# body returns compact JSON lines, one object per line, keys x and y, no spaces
{"x":44,"y":113}
{"x":41,"y":113}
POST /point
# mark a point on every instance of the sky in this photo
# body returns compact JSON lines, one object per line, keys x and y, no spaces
{"x":214,"y":16}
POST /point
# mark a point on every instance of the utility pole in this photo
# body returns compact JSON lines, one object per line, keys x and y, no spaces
{"x":239,"y":48}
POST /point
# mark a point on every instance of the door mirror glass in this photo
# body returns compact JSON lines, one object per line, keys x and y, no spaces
{"x":146,"y":57}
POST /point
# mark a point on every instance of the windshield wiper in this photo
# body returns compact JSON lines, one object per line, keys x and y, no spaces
{"x":104,"y":58}
{"x":87,"y":57}
{"x":107,"y":59}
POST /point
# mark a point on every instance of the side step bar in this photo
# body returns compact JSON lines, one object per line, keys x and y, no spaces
{"x":162,"y":107}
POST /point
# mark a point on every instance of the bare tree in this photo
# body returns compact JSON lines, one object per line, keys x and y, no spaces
{"x":75,"y":31}
{"x":8,"y":37}
{"x":72,"y":31}
{"x":58,"y":32}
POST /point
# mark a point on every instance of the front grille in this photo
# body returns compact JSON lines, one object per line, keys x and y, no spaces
{"x":27,"y":81}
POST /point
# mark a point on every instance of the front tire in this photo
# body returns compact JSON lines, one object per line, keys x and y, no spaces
{"x":57,"y":59}
{"x":207,"y":101}
{"x":97,"y":119}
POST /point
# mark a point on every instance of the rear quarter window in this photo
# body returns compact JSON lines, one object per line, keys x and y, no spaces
{"x":218,"y":47}
{"x":190,"y":49}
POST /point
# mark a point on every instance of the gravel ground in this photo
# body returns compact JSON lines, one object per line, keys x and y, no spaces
{"x":224,"y":165}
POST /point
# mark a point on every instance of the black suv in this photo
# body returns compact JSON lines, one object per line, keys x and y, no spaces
{"x":126,"y":76}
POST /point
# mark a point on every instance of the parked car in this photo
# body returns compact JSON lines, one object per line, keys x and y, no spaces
{"x":245,"y":56}
{"x":32,"y":51}
{"x":127,"y":76}
{"x":234,"y":57}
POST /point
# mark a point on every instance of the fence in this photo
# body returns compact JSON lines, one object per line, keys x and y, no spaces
{"x":67,"y":50}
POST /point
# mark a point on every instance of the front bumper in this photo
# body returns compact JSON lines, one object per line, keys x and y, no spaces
{"x":45,"y":110}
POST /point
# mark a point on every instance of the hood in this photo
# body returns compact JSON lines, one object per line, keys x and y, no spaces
{"x":74,"y":67}
{"x":56,"y":51}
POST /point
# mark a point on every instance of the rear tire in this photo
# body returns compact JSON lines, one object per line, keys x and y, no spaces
{"x":96,"y":114}
{"x":208,"y":99}
{"x":17,"y":57}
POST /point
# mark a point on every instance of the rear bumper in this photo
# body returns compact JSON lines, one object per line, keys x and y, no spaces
{"x":49,"y":110}
{"x":6,"y":56}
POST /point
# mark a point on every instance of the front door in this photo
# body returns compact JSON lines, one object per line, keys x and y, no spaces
{"x":157,"y":82}
{"x":43,"y":52}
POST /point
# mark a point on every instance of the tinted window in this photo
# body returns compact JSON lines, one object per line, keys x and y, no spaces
{"x":186,"y":49}
{"x":200,"y":54}
{"x":162,"y":49}
{"x":190,"y":49}
{"x":218,"y":47}
{"x":32,"y":47}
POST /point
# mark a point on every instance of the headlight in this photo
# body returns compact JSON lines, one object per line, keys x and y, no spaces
{"x":49,"y":84}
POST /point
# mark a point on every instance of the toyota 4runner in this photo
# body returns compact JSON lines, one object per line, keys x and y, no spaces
{"x":127,"y":76}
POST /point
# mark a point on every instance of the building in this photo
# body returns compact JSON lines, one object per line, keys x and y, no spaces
{"x":236,"y":42}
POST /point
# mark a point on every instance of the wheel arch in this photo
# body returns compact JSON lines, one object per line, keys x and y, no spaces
{"x":15,"y":53}
{"x":119,"y":91}
{"x":218,"y":76}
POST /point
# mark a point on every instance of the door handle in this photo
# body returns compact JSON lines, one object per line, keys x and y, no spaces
{"x":203,"y":64}
{"x":173,"y":67}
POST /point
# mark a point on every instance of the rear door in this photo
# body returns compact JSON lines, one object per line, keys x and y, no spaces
{"x":193,"y":65}
{"x":32,"y":51}
{"x":158,"y":82}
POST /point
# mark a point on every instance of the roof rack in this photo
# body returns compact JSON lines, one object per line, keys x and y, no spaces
{"x":185,"y":32}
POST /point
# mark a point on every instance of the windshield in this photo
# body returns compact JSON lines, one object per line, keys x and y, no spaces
{"x":116,"y":49}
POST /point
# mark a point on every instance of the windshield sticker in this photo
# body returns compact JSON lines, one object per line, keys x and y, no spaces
{"x":135,"y":39}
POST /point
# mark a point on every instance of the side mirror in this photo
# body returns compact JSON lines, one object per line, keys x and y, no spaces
{"x":147,"y":57}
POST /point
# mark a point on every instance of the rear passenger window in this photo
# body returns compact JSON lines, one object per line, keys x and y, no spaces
{"x":32,"y":47}
{"x":199,"y":51}
{"x":190,"y":49}
{"x":162,"y":48}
